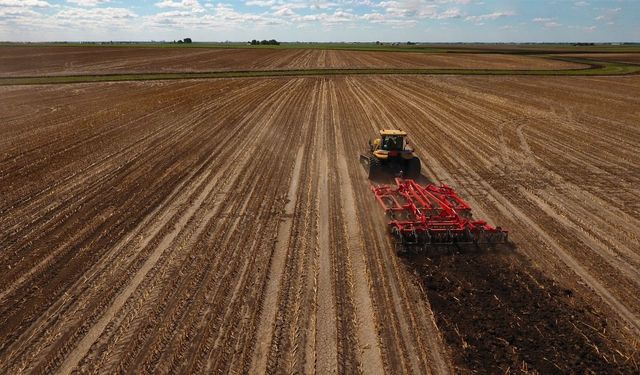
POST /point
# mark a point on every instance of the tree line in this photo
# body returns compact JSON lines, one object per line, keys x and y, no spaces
{"x":271,"y":42}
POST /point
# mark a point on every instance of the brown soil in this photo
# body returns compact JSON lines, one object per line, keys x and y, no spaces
{"x":628,"y":58}
{"x":501,"y":315}
{"x":42,"y":61}
{"x":227,"y":226}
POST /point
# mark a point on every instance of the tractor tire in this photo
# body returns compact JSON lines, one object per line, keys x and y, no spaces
{"x":375,"y":167}
{"x":413,"y":167}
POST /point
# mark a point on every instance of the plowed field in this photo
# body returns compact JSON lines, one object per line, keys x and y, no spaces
{"x":627,"y":58}
{"x":227,"y":226}
{"x":39,"y":61}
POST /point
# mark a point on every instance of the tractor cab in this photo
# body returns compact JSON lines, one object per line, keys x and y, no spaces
{"x":391,"y":143}
{"x":392,"y":140}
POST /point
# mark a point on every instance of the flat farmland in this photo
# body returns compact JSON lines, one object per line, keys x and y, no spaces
{"x":226,"y":226}
{"x":627,"y":58}
{"x":51,"y":61}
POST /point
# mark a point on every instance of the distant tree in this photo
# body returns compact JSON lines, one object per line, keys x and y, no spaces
{"x":264,"y":42}
{"x":377,"y":42}
{"x":187,"y":40}
{"x":180,"y":41}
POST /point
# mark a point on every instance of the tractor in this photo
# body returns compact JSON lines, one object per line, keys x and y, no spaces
{"x":421,"y":216}
{"x":391,"y":154}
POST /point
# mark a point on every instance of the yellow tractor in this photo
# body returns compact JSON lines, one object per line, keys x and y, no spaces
{"x":391,"y":154}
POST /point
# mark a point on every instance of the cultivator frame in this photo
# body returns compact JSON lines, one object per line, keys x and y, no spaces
{"x":430,"y":215}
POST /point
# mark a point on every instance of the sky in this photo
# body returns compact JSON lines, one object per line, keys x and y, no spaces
{"x":322,"y":21}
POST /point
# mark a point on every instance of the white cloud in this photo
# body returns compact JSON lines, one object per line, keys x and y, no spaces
{"x":490,"y":16}
{"x":78,"y":20}
{"x":223,"y":17}
{"x":547,"y":22}
{"x":608,"y":15}
{"x":10,"y":13}
{"x":261,"y":3}
{"x":407,"y":14}
{"x":449,"y":13}
{"x":381,"y":19}
{"x":277,"y":5}
{"x":65,"y":19}
{"x":25,"y":3}
{"x":586,"y":29}
{"x":192,"y":5}
{"x":373,"y":17}
{"x":284,"y":12}
{"x":88,"y":3}
{"x":98,"y":17}
{"x":461,"y":2}
{"x":320,"y":5}
{"x":338,"y":17}
{"x":418,"y":9}
{"x":400,"y":24}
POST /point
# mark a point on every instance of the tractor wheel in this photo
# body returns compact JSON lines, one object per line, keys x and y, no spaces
{"x":375,"y":167}
{"x":413,"y":167}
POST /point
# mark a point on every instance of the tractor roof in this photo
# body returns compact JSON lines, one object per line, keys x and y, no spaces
{"x":384,"y":132}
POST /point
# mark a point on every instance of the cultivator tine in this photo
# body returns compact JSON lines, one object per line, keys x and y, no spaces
{"x":429,"y":216}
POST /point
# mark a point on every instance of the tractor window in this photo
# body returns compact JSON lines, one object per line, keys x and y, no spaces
{"x":392,"y":143}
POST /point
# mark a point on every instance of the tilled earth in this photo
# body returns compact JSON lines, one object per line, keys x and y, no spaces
{"x":51,"y":61}
{"x":226,"y":225}
{"x":501,"y":315}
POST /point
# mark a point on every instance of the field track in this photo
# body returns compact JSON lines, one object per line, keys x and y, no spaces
{"x":61,"y":61}
{"x":227,"y":226}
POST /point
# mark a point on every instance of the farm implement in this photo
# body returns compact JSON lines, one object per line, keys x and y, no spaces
{"x":428,"y":216}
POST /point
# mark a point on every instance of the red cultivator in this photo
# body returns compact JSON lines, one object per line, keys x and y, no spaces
{"x":430,"y":215}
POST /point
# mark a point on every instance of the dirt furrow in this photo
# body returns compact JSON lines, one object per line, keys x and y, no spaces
{"x":326,"y":336}
{"x":54,"y":61}
{"x":85,"y":280}
{"x":416,"y":329}
{"x":152,"y":234}
{"x":228,"y":250}
{"x":292,"y":346}
{"x":368,"y":349}
{"x":227,"y":226}
{"x":276,"y":271}
{"x":217,"y":183}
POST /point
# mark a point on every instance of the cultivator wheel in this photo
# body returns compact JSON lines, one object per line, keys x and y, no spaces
{"x":422,"y":217}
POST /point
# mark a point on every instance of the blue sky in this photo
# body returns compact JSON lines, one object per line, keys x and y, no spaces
{"x":331,"y":20}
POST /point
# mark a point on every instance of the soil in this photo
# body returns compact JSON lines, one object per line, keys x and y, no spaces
{"x":51,"y":61}
{"x":227,"y":225}
{"x":627,"y":58}
{"x":499,"y":315}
